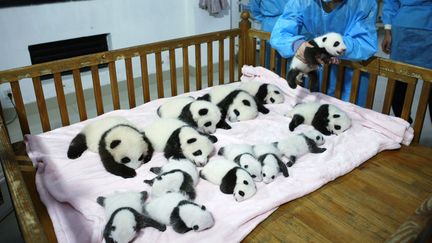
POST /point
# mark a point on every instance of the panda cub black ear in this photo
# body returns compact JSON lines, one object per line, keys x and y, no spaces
{"x":101,"y":201}
{"x":203,"y":112}
{"x":324,"y":39}
{"x":115,"y":143}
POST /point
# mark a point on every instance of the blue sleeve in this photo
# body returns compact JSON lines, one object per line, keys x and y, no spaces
{"x":287,"y":28}
{"x":389,"y":10}
{"x":254,"y":7}
{"x":361,"y":38}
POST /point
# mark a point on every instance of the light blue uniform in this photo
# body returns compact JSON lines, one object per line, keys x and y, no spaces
{"x":355,"y":20}
{"x":267,"y":12}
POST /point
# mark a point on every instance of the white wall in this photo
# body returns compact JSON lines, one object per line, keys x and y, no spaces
{"x":129,"y":22}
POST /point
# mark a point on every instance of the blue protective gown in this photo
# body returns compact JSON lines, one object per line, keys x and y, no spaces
{"x":267,"y":12}
{"x":353,"y":19}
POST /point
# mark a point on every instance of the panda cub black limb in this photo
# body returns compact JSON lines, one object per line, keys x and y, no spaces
{"x":186,"y":187}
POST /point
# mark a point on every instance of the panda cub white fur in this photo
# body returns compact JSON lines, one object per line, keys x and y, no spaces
{"x":231,"y":178}
{"x":121,"y":146}
{"x":180,"y":141}
{"x":182,"y":214}
{"x":264,"y":93}
{"x":326,"y":118}
{"x":234,"y":104}
{"x":175,"y":176}
{"x":124,"y":211}
{"x":201,"y":114}
{"x":324,"y":47}
{"x":243,"y":155}
{"x":270,"y":158}
{"x":296,"y":145}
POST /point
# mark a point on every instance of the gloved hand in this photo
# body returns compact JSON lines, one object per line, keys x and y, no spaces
{"x":387,"y":41}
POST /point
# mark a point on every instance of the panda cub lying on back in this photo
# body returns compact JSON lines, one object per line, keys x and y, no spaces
{"x":121,"y":146}
{"x":324,"y":47}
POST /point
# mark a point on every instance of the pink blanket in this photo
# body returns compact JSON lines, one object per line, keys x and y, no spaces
{"x":69,"y":188}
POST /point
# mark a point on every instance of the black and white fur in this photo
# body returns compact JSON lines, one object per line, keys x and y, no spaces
{"x":270,"y":158}
{"x":264,"y":93}
{"x":326,"y":118}
{"x":234,"y":104}
{"x":324,"y":47}
{"x":182,"y":214}
{"x":124,"y":211}
{"x":243,"y":155}
{"x":296,"y":145}
{"x":175,"y":176}
{"x":121,"y":146}
{"x":201,"y":114}
{"x":231,"y":178}
{"x":180,"y":141}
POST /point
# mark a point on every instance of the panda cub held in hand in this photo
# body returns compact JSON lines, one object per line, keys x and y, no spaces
{"x":201,"y":114}
{"x":243,"y":155}
{"x":264,"y":93}
{"x":270,"y":158}
{"x":324,"y":47}
{"x":234,"y":104}
{"x":231,"y":178}
{"x":296,"y":145}
{"x":326,"y":118}
{"x":180,"y":141}
{"x":175,"y":176}
{"x":124,"y":211}
{"x":182,"y":214}
{"x":121,"y":147}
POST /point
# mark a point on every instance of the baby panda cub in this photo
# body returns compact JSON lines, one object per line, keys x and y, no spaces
{"x":234,"y":104}
{"x":201,"y":114}
{"x":296,"y":145}
{"x":263,"y":93}
{"x":121,"y":146}
{"x":324,"y":47}
{"x":270,"y":158}
{"x":243,"y":155}
{"x":176,"y":176}
{"x":182,"y":214}
{"x":326,"y":118}
{"x":231,"y":178}
{"x":124,"y":211}
{"x":180,"y":141}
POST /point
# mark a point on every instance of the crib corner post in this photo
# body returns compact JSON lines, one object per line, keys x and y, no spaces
{"x":244,"y":25}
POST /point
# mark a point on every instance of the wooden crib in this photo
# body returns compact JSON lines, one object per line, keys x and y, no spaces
{"x":371,"y":203}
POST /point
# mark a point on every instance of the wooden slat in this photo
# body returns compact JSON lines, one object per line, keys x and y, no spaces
{"x":114,"y":85}
{"x":273,"y":59}
{"x":159,"y":77}
{"x":186,"y":87}
{"x":61,"y":100}
{"x":339,"y":81}
{"x":198,"y":76}
{"x":388,"y":97}
{"x":371,"y":90}
{"x":173,"y":72}
{"x":355,"y":84}
{"x":421,"y":110}
{"x":240,"y":59}
{"x":145,"y":78}
{"x":283,"y":67}
{"x":20,"y":109}
{"x":40,"y":98}
{"x":231,"y":59}
{"x":79,"y":94}
{"x":210,"y":64}
{"x":221,"y":62}
{"x":97,"y":90}
{"x":130,"y":82}
{"x":325,"y":78}
{"x":262,"y":53}
{"x":409,"y":96}
{"x":253,"y":45}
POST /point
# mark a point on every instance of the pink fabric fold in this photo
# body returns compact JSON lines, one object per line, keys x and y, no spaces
{"x":69,"y":188}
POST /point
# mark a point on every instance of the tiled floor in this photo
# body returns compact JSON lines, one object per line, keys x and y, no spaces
{"x":8,"y":226}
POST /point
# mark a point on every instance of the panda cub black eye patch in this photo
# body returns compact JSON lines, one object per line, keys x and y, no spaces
{"x":191,"y":140}
{"x":337,"y":127}
{"x":141,"y":157}
{"x":125,"y":160}
{"x":245,"y":182}
{"x":241,"y":193}
{"x":317,"y":137}
{"x":272,"y":100}
{"x":115,"y":143}
{"x":324,"y":39}
{"x":197,"y":153}
{"x":336,"y":44}
{"x":236,"y":112}
{"x":246,"y":102}
{"x":276,"y":92}
{"x":207,"y":124}
{"x":336,"y":115}
{"x":203,"y":112}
